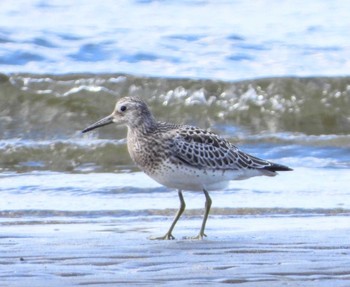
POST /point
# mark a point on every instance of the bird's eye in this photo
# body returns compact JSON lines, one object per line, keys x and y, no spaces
{"x":123,"y":108}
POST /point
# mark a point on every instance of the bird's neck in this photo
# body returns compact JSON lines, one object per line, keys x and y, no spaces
{"x":137,"y":137}
{"x":142,"y":127}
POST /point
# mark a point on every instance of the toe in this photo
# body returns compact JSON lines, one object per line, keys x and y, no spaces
{"x":165,"y":237}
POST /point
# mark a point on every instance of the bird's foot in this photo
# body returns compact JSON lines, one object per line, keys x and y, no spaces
{"x":200,"y":236}
{"x":167,"y":236}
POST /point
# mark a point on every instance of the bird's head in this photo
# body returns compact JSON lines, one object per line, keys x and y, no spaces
{"x":131,"y":111}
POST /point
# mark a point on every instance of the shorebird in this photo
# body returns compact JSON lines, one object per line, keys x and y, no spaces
{"x":183,"y":157}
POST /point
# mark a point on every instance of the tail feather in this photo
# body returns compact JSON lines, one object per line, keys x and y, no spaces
{"x":277,"y":167}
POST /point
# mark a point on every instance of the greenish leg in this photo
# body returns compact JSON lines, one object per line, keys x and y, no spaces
{"x":168,"y":235}
{"x":208,"y":202}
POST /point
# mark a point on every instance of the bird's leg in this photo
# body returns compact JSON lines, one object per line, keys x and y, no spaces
{"x":168,"y":235}
{"x":206,"y":213}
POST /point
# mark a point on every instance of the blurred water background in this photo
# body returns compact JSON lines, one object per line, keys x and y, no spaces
{"x":271,"y":76}
{"x":225,"y":40}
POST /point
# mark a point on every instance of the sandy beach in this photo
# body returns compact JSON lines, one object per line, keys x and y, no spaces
{"x":306,"y":251}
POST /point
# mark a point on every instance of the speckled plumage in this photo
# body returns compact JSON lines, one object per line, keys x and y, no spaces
{"x":183,"y":157}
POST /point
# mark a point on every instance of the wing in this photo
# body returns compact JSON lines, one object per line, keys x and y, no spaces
{"x":203,"y":149}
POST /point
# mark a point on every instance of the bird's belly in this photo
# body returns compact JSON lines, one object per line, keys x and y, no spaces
{"x":189,"y":178}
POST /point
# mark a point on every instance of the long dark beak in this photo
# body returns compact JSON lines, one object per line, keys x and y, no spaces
{"x":103,"y":122}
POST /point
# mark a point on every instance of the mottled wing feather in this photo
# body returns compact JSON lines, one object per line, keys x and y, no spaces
{"x":203,"y":149}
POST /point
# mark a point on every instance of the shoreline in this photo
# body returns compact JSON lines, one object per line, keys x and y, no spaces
{"x":302,"y":252}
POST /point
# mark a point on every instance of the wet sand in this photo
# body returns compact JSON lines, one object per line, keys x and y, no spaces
{"x":247,"y":251}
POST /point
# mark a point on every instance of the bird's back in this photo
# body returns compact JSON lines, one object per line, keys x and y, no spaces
{"x":180,"y":153}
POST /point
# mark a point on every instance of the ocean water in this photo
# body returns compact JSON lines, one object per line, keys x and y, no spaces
{"x":57,"y":171}
{"x":272,"y":77}
{"x":226,"y":40}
